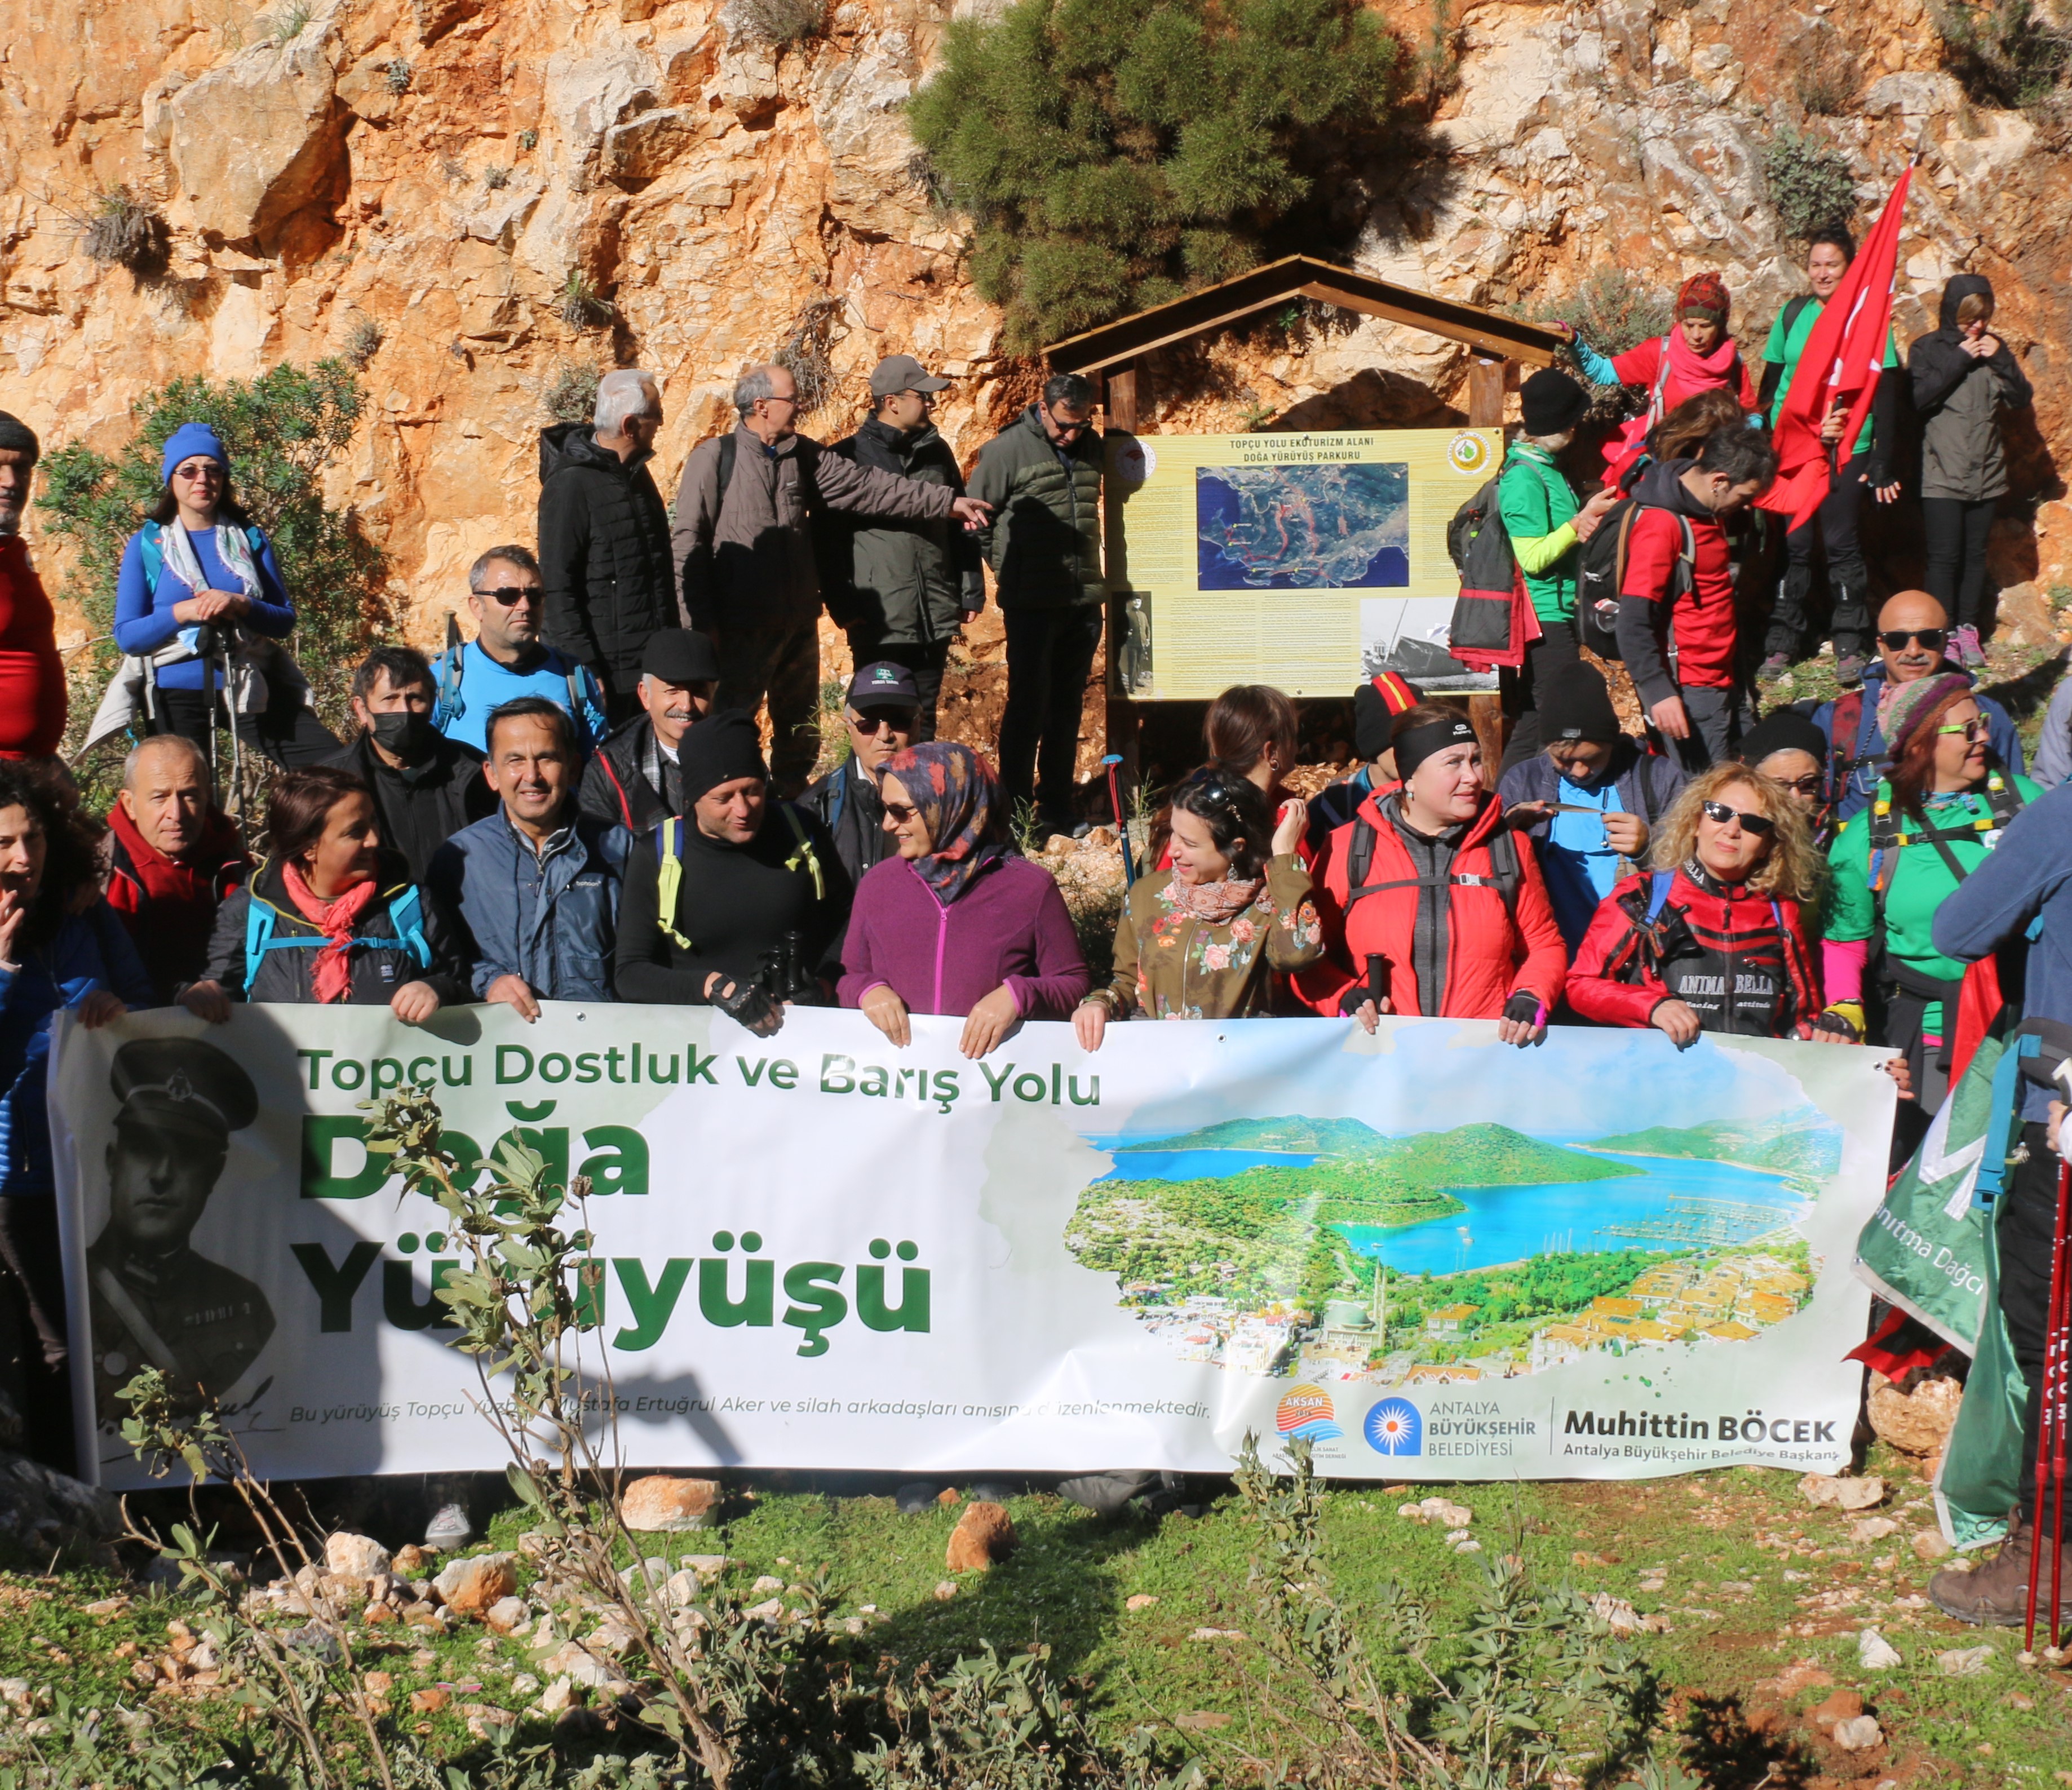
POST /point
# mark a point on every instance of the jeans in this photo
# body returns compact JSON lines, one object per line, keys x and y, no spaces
{"x":1832,"y":526}
{"x":1957,"y":533}
{"x":925,"y":659}
{"x":782,"y":665}
{"x":1716,"y":718}
{"x":291,"y":737}
{"x":2026,"y":1229}
{"x":1050,"y":656}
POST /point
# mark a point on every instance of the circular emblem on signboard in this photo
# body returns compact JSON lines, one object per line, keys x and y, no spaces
{"x":1134,"y":460}
{"x":1469,"y":453}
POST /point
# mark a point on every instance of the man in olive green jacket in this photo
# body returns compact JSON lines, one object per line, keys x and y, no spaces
{"x":1043,"y":475}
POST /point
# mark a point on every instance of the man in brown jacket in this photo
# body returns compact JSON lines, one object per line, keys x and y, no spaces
{"x":745,"y":556}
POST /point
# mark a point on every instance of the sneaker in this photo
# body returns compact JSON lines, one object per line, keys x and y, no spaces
{"x":1970,"y":651}
{"x":1775,"y":666}
{"x":1849,"y":669}
{"x":1994,"y":1595}
{"x":449,"y":1527}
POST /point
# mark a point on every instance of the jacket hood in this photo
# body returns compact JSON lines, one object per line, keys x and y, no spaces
{"x":1375,"y":812}
{"x":1662,"y":487}
{"x":575,"y":445}
{"x":908,"y":440}
{"x":1961,"y":287}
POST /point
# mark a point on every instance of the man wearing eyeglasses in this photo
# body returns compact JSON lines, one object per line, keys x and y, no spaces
{"x":1043,"y":471}
{"x":1912,"y":640}
{"x":744,"y":551}
{"x":880,"y":714}
{"x":506,"y":659}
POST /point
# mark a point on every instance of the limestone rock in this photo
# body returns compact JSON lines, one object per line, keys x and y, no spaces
{"x":1918,"y":1420}
{"x":506,"y":1616}
{"x":573,"y":1663}
{"x":984,"y":1533}
{"x":1842,"y":1494}
{"x":1858,"y":1734}
{"x":1875,"y":1653}
{"x":350,"y":1556}
{"x":1965,"y":1662}
{"x":411,"y":1561}
{"x":662,"y":1504}
{"x":470,"y":1585}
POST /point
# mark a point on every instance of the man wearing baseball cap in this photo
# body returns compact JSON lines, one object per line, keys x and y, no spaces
{"x":633,"y":778}
{"x":900,"y":587}
{"x":880,"y":714}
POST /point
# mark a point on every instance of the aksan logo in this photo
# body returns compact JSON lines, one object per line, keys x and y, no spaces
{"x":1395,"y":1427}
{"x":1306,"y":1412}
{"x":1468,"y":454}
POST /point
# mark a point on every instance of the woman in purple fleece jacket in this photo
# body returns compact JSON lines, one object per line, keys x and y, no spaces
{"x":960,"y":922}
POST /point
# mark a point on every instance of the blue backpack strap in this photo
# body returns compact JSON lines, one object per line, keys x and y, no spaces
{"x":669,"y":880}
{"x":2006,"y":1104}
{"x":151,"y":550}
{"x":1657,"y":894}
{"x":406,"y":914}
{"x":258,"y":938}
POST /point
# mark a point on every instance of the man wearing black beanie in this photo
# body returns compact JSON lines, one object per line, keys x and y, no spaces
{"x":740,"y":901}
{"x":1589,"y":797}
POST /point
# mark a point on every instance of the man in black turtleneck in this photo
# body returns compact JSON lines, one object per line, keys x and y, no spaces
{"x":425,"y":787}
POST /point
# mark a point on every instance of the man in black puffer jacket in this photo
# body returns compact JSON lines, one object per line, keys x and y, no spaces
{"x":604,"y":537}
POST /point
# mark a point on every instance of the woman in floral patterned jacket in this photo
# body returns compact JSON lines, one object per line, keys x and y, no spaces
{"x":1201,"y":940}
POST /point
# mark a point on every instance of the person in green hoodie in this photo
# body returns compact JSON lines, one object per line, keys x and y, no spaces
{"x":1547,"y":526}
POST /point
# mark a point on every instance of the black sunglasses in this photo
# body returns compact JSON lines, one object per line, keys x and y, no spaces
{"x":1896,"y":639}
{"x":867,"y":722}
{"x":1757,"y":824}
{"x":510,"y":595}
{"x":901,"y":812}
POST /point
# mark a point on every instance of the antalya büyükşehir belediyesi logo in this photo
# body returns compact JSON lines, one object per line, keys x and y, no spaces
{"x":1306,"y":1412}
{"x":1395,"y":1427}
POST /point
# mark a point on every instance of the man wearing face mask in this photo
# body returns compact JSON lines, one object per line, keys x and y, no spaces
{"x":425,"y":787}
{"x":634,"y":780}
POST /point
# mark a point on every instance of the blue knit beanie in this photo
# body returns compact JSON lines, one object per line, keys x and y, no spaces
{"x":185,"y":442}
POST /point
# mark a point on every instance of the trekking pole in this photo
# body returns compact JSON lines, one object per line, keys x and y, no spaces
{"x":1121,"y":828}
{"x":237,"y":744}
{"x":2050,"y":1451}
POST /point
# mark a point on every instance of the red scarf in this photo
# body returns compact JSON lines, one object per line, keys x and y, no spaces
{"x":333,"y":973}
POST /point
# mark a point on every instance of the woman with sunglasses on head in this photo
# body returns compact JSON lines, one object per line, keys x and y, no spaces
{"x":1712,"y":939}
{"x":1203,"y":939}
{"x":1432,"y":905}
{"x":960,"y":922}
{"x":200,"y":611}
{"x":1935,"y":816}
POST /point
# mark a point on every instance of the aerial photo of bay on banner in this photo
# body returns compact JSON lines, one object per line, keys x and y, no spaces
{"x":1426,"y":1253}
{"x":1306,"y":560}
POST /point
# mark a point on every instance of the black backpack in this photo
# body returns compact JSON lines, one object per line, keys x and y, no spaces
{"x":1480,"y":547}
{"x":1506,"y":872}
{"x":1601,"y":572}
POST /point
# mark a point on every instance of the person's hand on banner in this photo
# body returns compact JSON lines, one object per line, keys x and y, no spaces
{"x":1896,"y":1068}
{"x":415,"y":1003}
{"x":989,"y":1021}
{"x":1677,"y":1020}
{"x":1090,"y":1025}
{"x":888,"y":1012}
{"x":513,"y":990}
{"x":206,"y":1000}
{"x":99,"y":1008}
{"x":744,"y":1004}
{"x":1523,"y":1020}
{"x":1669,"y":718}
{"x":1369,"y":1014}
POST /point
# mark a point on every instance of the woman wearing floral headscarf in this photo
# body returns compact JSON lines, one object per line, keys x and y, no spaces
{"x":1200,"y":941}
{"x":960,"y":922}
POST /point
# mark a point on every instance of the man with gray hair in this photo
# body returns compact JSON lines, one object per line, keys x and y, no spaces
{"x":745,"y":553}
{"x":604,"y":537}
{"x":173,"y":857}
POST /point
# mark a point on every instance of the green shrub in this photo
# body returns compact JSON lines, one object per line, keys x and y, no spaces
{"x":124,"y":231}
{"x":778,"y":22}
{"x":282,"y":429}
{"x":1112,"y":158}
{"x":362,"y":341}
{"x":581,"y":305}
{"x":571,"y":394}
{"x":2006,"y":52}
{"x":1811,"y":186}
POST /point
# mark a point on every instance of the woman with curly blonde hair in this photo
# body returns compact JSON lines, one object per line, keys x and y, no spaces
{"x":1712,"y":940}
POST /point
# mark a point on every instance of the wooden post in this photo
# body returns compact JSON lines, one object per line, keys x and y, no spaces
{"x":1486,"y":382}
{"x":1126,"y":395}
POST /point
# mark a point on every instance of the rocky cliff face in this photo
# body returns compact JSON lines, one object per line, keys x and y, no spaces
{"x":441,"y":170}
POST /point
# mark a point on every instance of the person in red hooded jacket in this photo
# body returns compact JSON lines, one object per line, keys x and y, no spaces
{"x":1432,"y":905}
{"x":32,"y":679}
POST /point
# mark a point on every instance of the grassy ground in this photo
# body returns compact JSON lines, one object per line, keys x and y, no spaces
{"x":1763,"y":1596}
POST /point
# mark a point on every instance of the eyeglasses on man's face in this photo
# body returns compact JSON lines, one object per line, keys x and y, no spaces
{"x":510,"y":596}
{"x":874,"y":722}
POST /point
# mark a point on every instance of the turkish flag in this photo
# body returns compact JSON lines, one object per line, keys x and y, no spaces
{"x":1843,"y":355}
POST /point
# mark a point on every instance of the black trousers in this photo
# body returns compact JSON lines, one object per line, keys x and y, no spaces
{"x":925,"y":659}
{"x":1521,"y":688}
{"x":1050,"y":655}
{"x":1957,"y":533}
{"x":1832,"y":527}
{"x":2026,"y":1231}
{"x":33,"y":1345}
{"x":290,"y":736}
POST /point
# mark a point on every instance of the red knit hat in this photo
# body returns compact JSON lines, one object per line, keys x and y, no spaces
{"x":1706,"y":293}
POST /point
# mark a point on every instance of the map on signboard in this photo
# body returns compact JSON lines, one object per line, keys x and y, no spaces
{"x":1342,"y":526}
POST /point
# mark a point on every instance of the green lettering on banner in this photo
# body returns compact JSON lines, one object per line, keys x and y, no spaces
{"x":620,"y":1165}
{"x":819,"y":1307}
{"x":334,"y":1286}
{"x":758,"y":1302}
{"x":505,"y":1079}
{"x":995,"y":1083}
{"x":699,"y":1068}
{"x":911,"y":1313}
{"x":399,"y":1297}
{"x":321,"y":1135}
{"x":650,"y":1307}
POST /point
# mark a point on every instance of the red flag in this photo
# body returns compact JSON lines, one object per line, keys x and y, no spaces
{"x":1843,"y":354}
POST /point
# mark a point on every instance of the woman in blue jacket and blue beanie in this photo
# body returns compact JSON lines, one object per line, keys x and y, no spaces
{"x":199,"y":605}
{"x":61,"y":947}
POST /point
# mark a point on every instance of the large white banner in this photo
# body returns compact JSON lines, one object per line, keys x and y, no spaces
{"x":1430,"y":1254}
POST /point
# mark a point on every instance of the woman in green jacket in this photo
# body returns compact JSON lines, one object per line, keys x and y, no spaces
{"x":1933,"y":820}
{"x":1547,"y":526}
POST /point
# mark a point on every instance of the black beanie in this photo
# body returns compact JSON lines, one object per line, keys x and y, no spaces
{"x":1575,"y":705}
{"x":1551,"y":402}
{"x":17,"y":434}
{"x":718,"y":750}
{"x":1783,"y":730}
{"x":1376,"y":703}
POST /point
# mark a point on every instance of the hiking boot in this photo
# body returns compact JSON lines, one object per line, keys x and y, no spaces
{"x":1971,"y":651}
{"x":1995,"y":1594}
{"x":1775,"y":666}
{"x":1849,"y":670}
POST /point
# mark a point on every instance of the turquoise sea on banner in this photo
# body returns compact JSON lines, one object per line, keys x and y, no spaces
{"x":1509,"y":1224}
